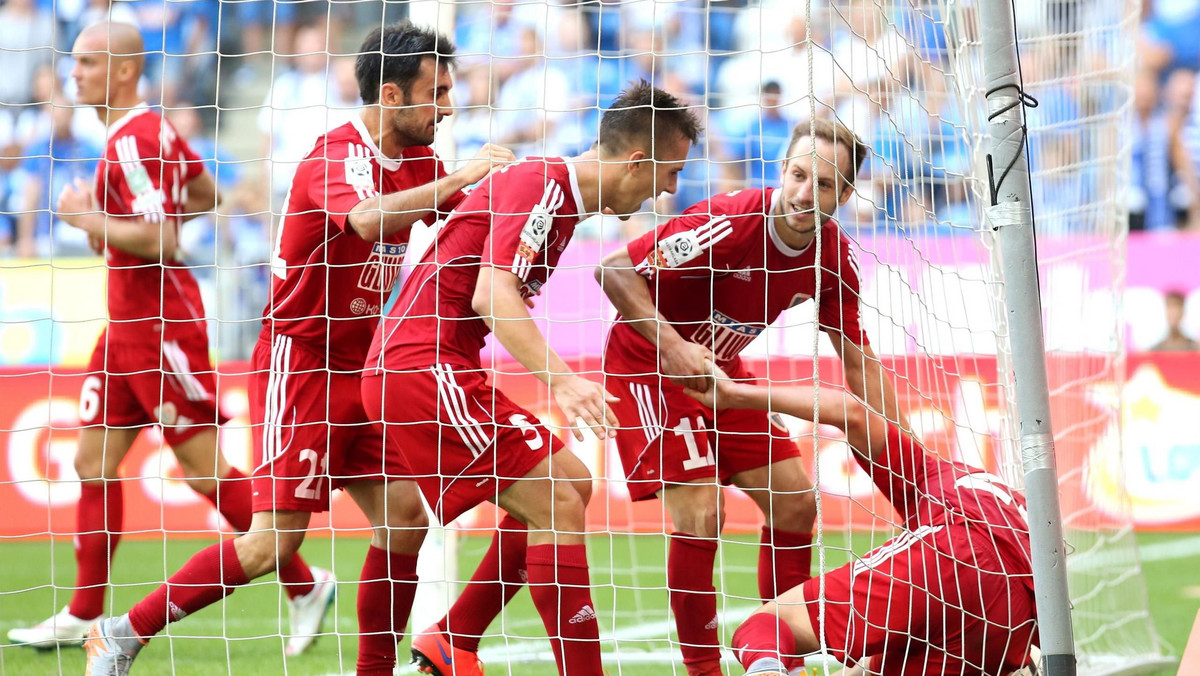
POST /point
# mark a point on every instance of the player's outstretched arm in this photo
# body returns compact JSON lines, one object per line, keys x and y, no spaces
{"x":499,"y":303}
{"x":380,"y":216}
{"x":866,"y":429}
{"x":202,"y":196}
{"x":867,"y":379}
{"x":682,"y":361}
{"x":153,"y":240}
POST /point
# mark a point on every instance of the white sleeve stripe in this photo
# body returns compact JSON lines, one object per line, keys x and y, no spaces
{"x":455,"y":404}
{"x":891,"y":548}
{"x":148,"y":204}
{"x":521,"y":267}
{"x":356,"y":151}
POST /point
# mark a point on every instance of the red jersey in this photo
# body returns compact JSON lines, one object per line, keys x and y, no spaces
{"x":328,"y":284}
{"x":519,"y":220}
{"x":928,"y":491}
{"x":144,"y":172}
{"x":720,"y":273}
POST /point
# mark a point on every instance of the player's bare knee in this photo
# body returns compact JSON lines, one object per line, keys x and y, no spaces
{"x":261,"y":552}
{"x":89,"y":467}
{"x":584,"y":488}
{"x":695,"y":510}
{"x":568,"y":510}
{"x":202,"y":485}
{"x":794,"y":512}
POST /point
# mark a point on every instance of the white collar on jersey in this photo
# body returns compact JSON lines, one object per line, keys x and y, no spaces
{"x":386,"y":162}
{"x":575,"y":192}
{"x":133,"y":112}
{"x":775,"y":238}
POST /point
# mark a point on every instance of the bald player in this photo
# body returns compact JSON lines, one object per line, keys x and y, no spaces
{"x":150,"y":365}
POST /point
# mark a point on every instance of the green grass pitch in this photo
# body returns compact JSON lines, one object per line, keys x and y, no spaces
{"x":242,"y":635}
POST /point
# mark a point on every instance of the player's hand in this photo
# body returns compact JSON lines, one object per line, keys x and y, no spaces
{"x":529,"y":299}
{"x":96,"y":244}
{"x":684,"y":364}
{"x":719,"y":392}
{"x":583,"y":400}
{"x":75,"y":200}
{"x":490,"y":157}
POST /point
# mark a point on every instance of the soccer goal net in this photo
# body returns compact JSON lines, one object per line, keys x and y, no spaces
{"x":251,"y":84}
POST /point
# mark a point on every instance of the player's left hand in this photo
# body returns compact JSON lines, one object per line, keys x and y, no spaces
{"x":719,"y":390}
{"x":581,"y":399}
{"x":75,"y":200}
{"x":683,"y":362}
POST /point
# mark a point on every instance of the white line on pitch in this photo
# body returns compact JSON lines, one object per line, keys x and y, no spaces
{"x":648,"y":630}
{"x":1164,"y":551}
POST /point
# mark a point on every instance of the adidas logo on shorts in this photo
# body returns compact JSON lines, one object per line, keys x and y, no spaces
{"x":585,"y":614}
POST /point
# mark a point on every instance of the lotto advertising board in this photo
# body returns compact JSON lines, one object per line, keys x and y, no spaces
{"x":1161,"y":469}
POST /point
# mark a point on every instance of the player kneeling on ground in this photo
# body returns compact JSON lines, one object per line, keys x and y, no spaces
{"x":951,"y":594}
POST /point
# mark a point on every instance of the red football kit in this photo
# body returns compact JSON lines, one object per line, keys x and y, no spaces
{"x":327,"y":290}
{"x":719,"y":274}
{"x":151,"y":362}
{"x":953,"y":593}
{"x":465,"y":441}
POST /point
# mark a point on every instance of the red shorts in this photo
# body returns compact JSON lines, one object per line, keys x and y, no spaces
{"x":667,"y":438}
{"x":133,"y":385}
{"x":918,"y":604}
{"x":311,"y":428}
{"x":464,"y":440}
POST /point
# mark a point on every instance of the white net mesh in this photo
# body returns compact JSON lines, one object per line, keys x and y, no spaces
{"x":251,"y":84}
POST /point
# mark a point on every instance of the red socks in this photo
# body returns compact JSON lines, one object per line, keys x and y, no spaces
{"x":763,"y":636}
{"x":784,"y":561}
{"x":499,"y":577}
{"x":559,"y":585}
{"x":385,"y":597}
{"x":690,"y":562}
{"x":233,"y":499}
{"x":99,"y":520}
{"x":209,"y":576}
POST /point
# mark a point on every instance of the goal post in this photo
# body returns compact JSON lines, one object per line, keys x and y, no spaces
{"x":1010,"y":215}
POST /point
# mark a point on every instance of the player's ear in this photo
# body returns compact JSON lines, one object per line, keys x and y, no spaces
{"x":635,"y":161}
{"x":847,"y":191}
{"x":390,"y":95}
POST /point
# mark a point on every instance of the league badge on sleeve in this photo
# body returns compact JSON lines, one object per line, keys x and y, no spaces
{"x":684,"y":247}
{"x":536,"y":228}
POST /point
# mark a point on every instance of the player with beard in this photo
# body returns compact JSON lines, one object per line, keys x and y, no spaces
{"x":337,"y":254}
{"x":702,"y":287}
{"x":151,"y":364}
{"x":465,"y":440}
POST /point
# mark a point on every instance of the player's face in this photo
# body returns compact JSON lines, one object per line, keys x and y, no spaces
{"x":812,"y":187}
{"x":648,"y":178}
{"x":424,"y":105}
{"x":91,"y":69}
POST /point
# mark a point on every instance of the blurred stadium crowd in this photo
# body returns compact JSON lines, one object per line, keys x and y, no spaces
{"x":252,"y":83}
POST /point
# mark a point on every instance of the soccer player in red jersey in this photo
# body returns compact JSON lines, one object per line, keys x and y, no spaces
{"x":703,"y":286}
{"x":951,"y":594}
{"x":151,"y":364}
{"x":336,"y":258}
{"x":465,"y":441}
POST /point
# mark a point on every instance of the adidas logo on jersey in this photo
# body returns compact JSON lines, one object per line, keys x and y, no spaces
{"x":585,"y":614}
{"x":742,"y":275}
